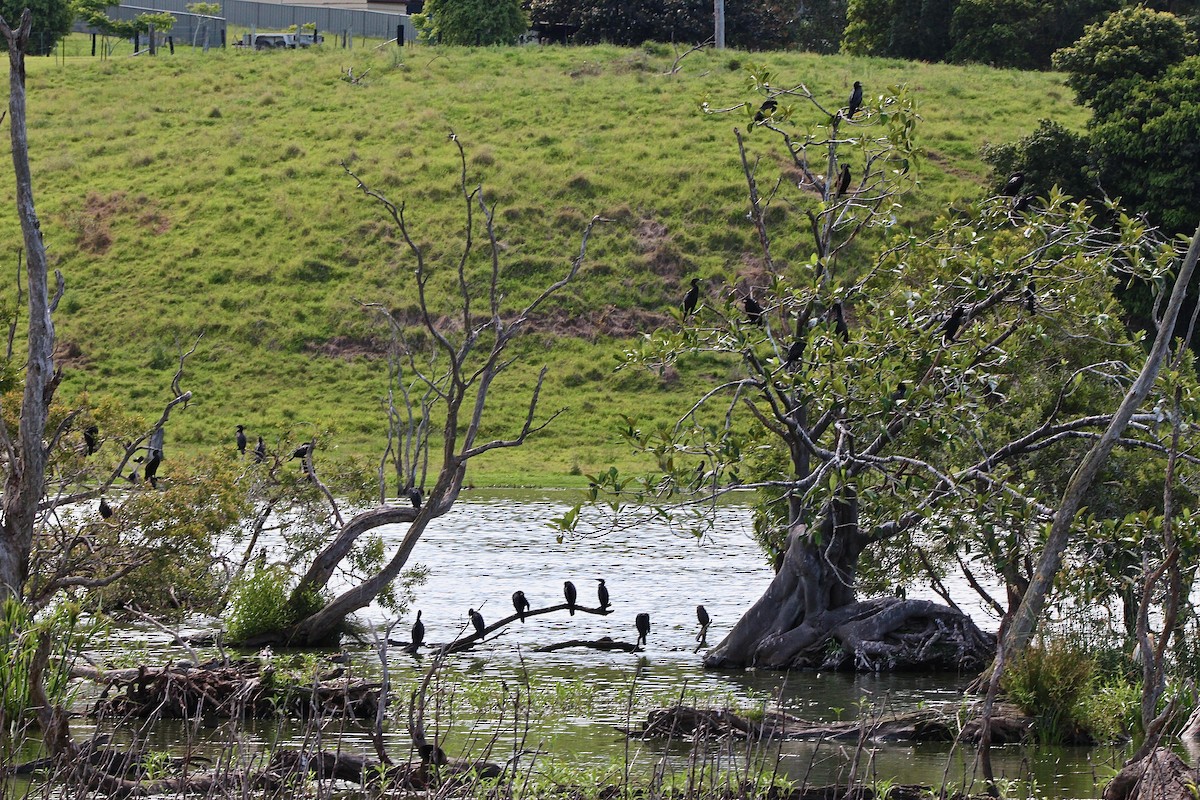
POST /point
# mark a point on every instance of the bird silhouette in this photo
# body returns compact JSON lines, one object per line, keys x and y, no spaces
{"x":571,"y":594}
{"x":418,"y":632}
{"x":476,"y":620}
{"x":691,"y":299}
{"x":432,"y":754}
{"x":838,"y":315}
{"x":1031,"y":298}
{"x":1021,"y":202}
{"x":766,"y":110}
{"x":951,"y":326}
{"x":796,"y":352}
{"x":150,"y":471}
{"x":844,"y":180}
{"x":1013,"y":185}
{"x":521,"y":604}
{"x":105,"y":509}
{"x":241,"y":439}
{"x":414,"y":497}
{"x":702,"y":616}
{"x":91,"y":439}
{"x":602,"y":593}
{"x":260,"y":451}
{"x":855,"y":102}
{"x":301,"y":451}
{"x":642,"y":621}
{"x":754,"y":311}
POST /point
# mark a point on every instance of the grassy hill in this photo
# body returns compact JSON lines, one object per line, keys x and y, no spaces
{"x":192,"y":193}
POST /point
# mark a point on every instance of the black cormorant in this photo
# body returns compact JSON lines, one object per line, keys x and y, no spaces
{"x":844,"y":180}
{"x":570,"y":593}
{"x":476,"y":620}
{"x":1031,"y":298}
{"x":432,"y":754}
{"x":950,"y":327}
{"x":766,"y":109}
{"x":260,"y":451}
{"x":105,"y":509}
{"x":302,"y":451}
{"x":241,"y":439}
{"x":702,"y":616}
{"x":1014,"y":184}
{"x":855,"y":102}
{"x":418,"y":632}
{"x":754,"y":311}
{"x":838,"y":315}
{"x":1021,"y":202}
{"x":643,"y":627}
{"x":521,"y":604}
{"x":91,"y":438}
{"x":691,"y":299}
{"x":414,"y":497}
{"x":796,"y":351}
{"x":151,"y":469}
{"x":602,"y":593}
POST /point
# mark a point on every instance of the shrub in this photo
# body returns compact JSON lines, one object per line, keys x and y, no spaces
{"x":259,"y":604}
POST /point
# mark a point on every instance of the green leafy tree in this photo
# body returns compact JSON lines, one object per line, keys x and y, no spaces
{"x":1050,"y":156}
{"x":1021,"y":33}
{"x":52,"y":20}
{"x":916,"y":29}
{"x":472,"y":22}
{"x":820,"y":27}
{"x":749,"y":24}
{"x":1129,"y":47}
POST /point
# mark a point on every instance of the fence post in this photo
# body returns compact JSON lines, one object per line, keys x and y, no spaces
{"x":222,"y":38}
{"x":171,"y":44}
{"x":93,"y":45}
{"x":137,"y":42}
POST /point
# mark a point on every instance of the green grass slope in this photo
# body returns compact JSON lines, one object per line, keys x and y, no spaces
{"x":194,"y":192}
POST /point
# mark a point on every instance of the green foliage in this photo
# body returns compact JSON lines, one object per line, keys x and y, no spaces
{"x":259,"y":605}
{"x":1057,"y":684}
{"x":1050,"y":156}
{"x":751,"y":25}
{"x":472,"y":22}
{"x":916,"y":29}
{"x":819,"y":29}
{"x":20,"y":637}
{"x":1128,"y":48}
{"x":52,"y":21}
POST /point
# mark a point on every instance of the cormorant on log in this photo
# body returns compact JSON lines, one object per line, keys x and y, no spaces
{"x":260,"y":451}
{"x":1013,"y":185}
{"x":766,"y":110}
{"x":702,"y":616}
{"x":855,"y":102}
{"x":950,"y":327}
{"x":105,"y":509}
{"x":415,"y":497}
{"x":418,"y":633}
{"x":754,"y":311}
{"x":91,"y":439}
{"x":241,"y":439}
{"x":838,"y":315}
{"x":570,"y":593}
{"x":691,"y":299}
{"x":521,"y":604}
{"x":643,"y":627}
{"x":476,"y":620}
{"x":900,"y":591}
{"x":796,"y":351}
{"x":844,"y":180}
{"x":432,"y":754}
{"x":602,"y":593}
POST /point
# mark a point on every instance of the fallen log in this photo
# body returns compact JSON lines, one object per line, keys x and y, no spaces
{"x":604,"y":644}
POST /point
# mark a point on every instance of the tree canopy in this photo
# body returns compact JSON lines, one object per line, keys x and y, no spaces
{"x":472,"y":22}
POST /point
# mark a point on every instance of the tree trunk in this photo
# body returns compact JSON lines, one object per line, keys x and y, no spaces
{"x":810,"y":616}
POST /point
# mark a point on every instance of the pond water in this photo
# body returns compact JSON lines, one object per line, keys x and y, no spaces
{"x":494,"y":544}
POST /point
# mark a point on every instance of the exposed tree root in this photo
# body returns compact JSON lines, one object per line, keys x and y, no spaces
{"x":678,"y":722}
{"x":1161,"y":775}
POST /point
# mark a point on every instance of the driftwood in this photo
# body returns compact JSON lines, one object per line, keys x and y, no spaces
{"x":928,"y":725}
{"x":223,"y":690}
{"x":1161,"y":775}
{"x":604,"y":643}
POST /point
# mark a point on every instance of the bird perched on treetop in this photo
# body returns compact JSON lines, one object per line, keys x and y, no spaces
{"x":521,"y":604}
{"x":301,"y":451}
{"x":91,"y":439}
{"x":951,"y":325}
{"x":151,"y":469}
{"x":796,"y":352}
{"x":241,"y":439}
{"x":570,"y":593}
{"x":844,"y":180}
{"x":838,"y":315}
{"x":105,"y":509}
{"x":754,"y":311}
{"x":1014,"y":184}
{"x":602,"y":593}
{"x":766,"y":110}
{"x":642,"y":621}
{"x":476,"y":620}
{"x":260,"y":451}
{"x":855,"y":102}
{"x":691,"y":299}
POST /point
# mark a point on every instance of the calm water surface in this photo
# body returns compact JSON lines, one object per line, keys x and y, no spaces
{"x":494,"y":544}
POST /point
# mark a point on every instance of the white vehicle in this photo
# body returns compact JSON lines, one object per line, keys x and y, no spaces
{"x":269,"y":40}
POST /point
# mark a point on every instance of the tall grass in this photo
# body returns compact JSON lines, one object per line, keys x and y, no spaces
{"x":206,"y":192}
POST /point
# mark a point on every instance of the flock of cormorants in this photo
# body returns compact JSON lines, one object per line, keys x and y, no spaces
{"x":522,"y":606}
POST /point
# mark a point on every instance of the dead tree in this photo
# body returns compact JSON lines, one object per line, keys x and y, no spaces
{"x":448,"y":364}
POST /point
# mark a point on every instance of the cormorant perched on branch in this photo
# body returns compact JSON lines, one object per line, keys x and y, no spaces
{"x":796,"y":351}
{"x":476,"y":620}
{"x":301,"y":451}
{"x":855,"y":102}
{"x":951,"y":326}
{"x":702,"y":616}
{"x":260,"y":451}
{"x":1013,"y":185}
{"x":838,"y":316}
{"x":844,"y":180}
{"x":766,"y":109}
{"x":1031,"y":298}
{"x":1021,"y":202}
{"x":642,"y":621}
{"x":105,"y":509}
{"x":418,"y":632}
{"x":602,"y":593}
{"x":521,"y":604}
{"x":91,"y":439}
{"x":151,"y":469}
{"x":570,"y":593}
{"x":241,"y":439}
{"x":691,"y":299}
{"x":754,"y":311}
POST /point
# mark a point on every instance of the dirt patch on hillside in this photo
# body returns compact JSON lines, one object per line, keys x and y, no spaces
{"x":92,"y":224}
{"x":349,"y":348}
